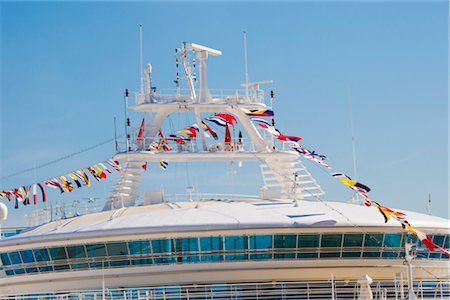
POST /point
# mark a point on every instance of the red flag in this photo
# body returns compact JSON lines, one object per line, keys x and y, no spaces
{"x":140,"y":136}
{"x":227,"y":139}
{"x":229,"y":118}
{"x":34,"y":194}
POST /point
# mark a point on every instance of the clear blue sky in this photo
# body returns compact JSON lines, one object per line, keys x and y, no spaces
{"x":64,"y":66}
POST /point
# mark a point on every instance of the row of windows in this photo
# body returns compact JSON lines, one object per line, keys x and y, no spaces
{"x":218,"y":248}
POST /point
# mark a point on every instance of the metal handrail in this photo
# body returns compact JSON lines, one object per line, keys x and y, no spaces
{"x":274,"y":290}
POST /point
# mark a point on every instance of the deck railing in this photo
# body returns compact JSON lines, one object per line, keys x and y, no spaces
{"x":230,"y":96}
{"x":330,"y":289}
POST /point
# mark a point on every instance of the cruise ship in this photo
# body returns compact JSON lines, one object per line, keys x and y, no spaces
{"x":285,"y":243}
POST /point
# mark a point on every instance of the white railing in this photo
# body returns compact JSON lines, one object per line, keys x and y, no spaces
{"x":164,"y":96}
{"x":195,"y":144}
{"x":330,"y":289}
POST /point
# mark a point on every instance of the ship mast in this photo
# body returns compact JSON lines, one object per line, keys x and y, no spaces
{"x":279,"y":164}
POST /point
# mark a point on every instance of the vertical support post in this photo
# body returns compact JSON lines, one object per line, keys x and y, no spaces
{"x":127,"y":137}
{"x":200,"y":128}
{"x":246,"y":65}
{"x":204,"y":94}
{"x":408,"y":258}
{"x":187,"y":72}
{"x":140,"y":60}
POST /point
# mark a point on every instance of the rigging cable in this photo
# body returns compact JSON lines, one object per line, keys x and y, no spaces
{"x":59,"y":159}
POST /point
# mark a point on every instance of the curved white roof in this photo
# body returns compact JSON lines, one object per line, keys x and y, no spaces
{"x":222,"y":215}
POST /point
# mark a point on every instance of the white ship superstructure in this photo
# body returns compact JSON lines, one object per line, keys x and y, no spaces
{"x":286,"y":243}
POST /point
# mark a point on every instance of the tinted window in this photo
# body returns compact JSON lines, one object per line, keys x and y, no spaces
{"x":161,"y":246}
{"x":139,"y":247}
{"x":15,"y":258}
{"x":186,"y":245}
{"x":236,"y":243}
{"x":211,"y":244}
{"x":331,"y":240}
{"x":392,"y":240}
{"x":5,"y":259}
{"x":373,"y":240}
{"x":439,"y":239}
{"x":117,"y":249}
{"x":27,"y":256}
{"x":284,"y":241}
{"x":58,"y":253}
{"x":41,"y":254}
{"x":96,"y":250}
{"x":261,"y":242}
{"x":76,"y":252}
{"x":353,"y":240}
{"x":308,"y":240}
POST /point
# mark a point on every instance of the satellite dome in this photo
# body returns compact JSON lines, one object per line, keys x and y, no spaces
{"x":3,"y":211}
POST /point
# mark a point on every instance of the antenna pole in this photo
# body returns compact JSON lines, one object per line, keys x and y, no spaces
{"x":115,"y":136}
{"x":140,"y":59}
{"x":355,"y":174}
{"x":127,"y":122}
{"x":246,"y":64}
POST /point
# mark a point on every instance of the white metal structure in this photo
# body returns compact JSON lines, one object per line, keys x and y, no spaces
{"x":283,"y":244}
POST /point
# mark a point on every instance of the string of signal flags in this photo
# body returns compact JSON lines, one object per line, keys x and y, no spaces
{"x":359,"y":188}
{"x":257,"y":116}
{"x":24,"y":194}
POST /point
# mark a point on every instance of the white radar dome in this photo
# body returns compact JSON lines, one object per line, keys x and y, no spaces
{"x":3,"y":211}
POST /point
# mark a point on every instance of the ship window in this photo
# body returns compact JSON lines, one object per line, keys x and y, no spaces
{"x":329,"y":254}
{"x":373,"y":240}
{"x":139,"y":247}
{"x":351,"y":254}
{"x":308,"y":240}
{"x":164,"y":260}
{"x":46,"y":269}
{"x":96,"y":250}
{"x":307,"y":255}
{"x":186,"y":245}
{"x":76,"y":251}
{"x":392,"y":240}
{"x":19,"y":271}
{"x":31,"y":270}
{"x":446,"y":246}
{"x":331,"y":240}
{"x":261,"y":242}
{"x":209,"y":258}
{"x":15,"y":258}
{"x":390,"y":254}
{"x":120,"y":263}
{"x":41,"y":255}
{"x":9,"y":272}
{"x":285,"y":241}
{"x":211,"y":243}
{"x":5,"y":259}
{"x":62,"y":267}
{"x":79,"y":266}
{"x":99,"y":265}
{"x":236,"y":243}
{"x":288,"y":255}
{"x":161,"y":246}
{"x":409,"y":238}
{"x":439,"y":239}
{"x":58,"y":253}
{"x":371,"y":254}
{"x":117,"y":249}
{"x":27,"y":256}
{"x":353,"y":240}
{"x":141,"y":262}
